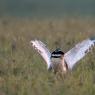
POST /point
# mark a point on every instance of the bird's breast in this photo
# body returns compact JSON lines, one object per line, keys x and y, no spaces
{"x":55,"y":61}
{"x":59,"y":65}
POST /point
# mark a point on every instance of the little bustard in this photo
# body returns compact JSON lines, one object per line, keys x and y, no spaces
{"x":60,"y":61}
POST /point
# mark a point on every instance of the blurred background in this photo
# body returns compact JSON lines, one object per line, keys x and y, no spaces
{"x":47,"y":8}
{"x":57,"y":23}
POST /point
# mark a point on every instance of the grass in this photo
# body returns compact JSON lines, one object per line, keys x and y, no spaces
{"x":23,"y":72}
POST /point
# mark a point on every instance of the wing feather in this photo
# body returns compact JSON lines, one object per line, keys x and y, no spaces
{"x":78,"y":52}
{"x":40,"y":47}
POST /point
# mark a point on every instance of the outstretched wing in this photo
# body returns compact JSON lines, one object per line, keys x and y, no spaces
{"x":78,"y":52}
{"x":40,"y":47}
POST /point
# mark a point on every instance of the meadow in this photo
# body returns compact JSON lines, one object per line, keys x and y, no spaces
{"x":22,"y":70}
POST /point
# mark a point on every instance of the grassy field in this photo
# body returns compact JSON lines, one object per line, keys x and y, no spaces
{"x":22,"y":70}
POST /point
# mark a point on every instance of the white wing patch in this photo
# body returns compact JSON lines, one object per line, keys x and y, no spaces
{"x":40,"y":47}
{"x":78,"y":52}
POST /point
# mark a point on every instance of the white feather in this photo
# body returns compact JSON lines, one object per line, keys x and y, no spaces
{"x":42,"y":50}
{"x":78,"y":52}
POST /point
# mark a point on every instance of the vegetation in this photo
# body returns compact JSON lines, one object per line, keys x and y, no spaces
{"x":23,"y":72}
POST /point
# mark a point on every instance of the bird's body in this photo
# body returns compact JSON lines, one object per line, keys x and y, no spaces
{"x":60,"y":62}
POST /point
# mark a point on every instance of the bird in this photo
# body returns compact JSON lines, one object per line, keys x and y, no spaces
{"x":60,"y":61}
